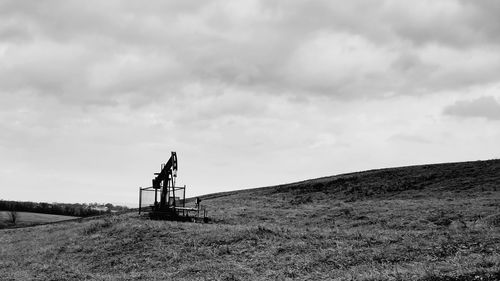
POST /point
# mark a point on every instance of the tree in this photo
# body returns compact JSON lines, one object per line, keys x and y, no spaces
{"x":13,"y":216}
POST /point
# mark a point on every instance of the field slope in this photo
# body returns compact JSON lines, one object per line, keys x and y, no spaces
{"x":29,"y":218}
{"x":432,"y":222}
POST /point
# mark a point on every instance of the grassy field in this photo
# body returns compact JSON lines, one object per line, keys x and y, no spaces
{"x":27,"y":218}
{"x":434,"y":222}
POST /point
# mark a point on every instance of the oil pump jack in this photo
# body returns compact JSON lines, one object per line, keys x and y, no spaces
{"x":171,"y":206}
{"x":165,"y":181}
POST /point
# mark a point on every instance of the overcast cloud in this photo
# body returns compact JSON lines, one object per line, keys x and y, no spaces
{"x":94,"y":95}
{"x":486,"y":107}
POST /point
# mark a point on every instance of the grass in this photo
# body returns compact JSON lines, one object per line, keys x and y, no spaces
{"x":28,"y":219}
{"x":437,"y":222}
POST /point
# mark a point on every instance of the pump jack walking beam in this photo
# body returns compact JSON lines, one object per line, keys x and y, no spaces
{"x":167,"y":177}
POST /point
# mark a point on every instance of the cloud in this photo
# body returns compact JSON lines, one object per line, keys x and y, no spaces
{"x":81,"y":54}
{"x":338,"y":63}
{"x":409,"y":138}
{"x":486,"y":107}
{"x":313,"y":87}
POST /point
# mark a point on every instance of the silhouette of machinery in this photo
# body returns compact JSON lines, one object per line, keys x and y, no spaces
{"x":172,"y":203}
{"x":165,"y":181}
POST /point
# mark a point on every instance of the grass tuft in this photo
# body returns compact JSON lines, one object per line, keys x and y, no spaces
{"x":493,"y":220}
{"x":98,"y":225}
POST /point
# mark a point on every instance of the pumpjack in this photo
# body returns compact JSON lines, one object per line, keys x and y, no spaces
{"x":165,"y":181}
{"x":172,"y":203}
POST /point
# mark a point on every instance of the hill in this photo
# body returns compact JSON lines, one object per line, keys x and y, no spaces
{"x":430,"y":222}
{"x":28,"y":218}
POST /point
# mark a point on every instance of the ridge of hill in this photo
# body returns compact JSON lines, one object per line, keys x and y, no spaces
{"x":429,"y":222}
{"x":440,"y":178}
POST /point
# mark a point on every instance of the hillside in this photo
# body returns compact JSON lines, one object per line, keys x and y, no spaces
{"x":28,"y":218}
{"x":431,"y":222}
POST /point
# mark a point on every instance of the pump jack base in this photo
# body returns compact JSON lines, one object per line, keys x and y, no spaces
{"x":172,"y":216}
{"x":168,"y":215}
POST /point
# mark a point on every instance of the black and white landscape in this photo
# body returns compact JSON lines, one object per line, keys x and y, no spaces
{"x":342,"y":110}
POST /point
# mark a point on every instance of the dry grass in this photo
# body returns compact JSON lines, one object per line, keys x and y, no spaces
{"x":282,"y":233}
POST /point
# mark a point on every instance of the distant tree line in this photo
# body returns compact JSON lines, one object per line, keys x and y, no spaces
{"x":65,"y":209}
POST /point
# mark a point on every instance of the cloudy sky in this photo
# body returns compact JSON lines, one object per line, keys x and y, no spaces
{"x":95,"y":94}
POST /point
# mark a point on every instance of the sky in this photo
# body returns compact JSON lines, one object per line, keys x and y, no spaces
{"x":94,"y":95}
